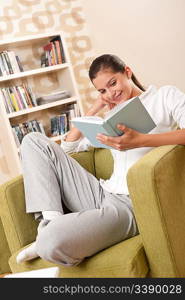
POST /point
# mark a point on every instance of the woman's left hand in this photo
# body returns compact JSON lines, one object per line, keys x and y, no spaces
{"x":130,"y":139}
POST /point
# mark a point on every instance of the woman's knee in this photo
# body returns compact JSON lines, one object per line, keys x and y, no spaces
{"x":56,"y":248}
{"x":33,"y":140}
{"x":30,"y":138}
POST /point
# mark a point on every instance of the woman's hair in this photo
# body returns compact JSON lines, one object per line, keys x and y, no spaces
{"x":113,"y":62}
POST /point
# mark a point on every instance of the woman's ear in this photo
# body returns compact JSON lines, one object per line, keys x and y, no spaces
{"x":128,"y":72}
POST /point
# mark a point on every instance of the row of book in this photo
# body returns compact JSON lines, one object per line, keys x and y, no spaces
{"x":17,"y":98}
{"x":60,"y":124}
{"x":9,"y":63}
{"x":53,"y":53}
{"x":20,"y":130}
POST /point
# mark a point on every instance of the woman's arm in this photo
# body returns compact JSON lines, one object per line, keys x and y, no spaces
{"x":134,"y":139}
{"x":167,"y":138}
{"x":74,"y":134}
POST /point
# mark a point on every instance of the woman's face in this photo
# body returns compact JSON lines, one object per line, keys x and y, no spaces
{"x":115,"y":87}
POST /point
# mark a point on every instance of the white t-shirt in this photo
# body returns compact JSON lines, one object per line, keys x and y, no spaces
{"x":166,"y":106}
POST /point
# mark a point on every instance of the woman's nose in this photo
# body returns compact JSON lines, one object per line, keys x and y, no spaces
{"x":110,"y":93}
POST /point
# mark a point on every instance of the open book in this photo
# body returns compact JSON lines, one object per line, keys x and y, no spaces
{"x":131,"y":113}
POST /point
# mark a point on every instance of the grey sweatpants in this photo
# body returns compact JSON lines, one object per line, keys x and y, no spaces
{"x":97,"y":218}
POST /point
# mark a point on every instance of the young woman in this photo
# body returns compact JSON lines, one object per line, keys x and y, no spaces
{"x":101,"y":211}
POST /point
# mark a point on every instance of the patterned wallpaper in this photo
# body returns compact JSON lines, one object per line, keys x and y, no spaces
{"x":27,"y":17}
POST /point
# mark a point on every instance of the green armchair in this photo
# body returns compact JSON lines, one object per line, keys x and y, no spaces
{"x":156,"y":185}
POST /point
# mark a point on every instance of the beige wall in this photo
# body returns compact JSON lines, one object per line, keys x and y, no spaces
{"x":148,"y":34}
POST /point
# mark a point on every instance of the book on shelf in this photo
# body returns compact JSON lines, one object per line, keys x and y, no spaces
{"x":32,"y":95}
{"x":37,"y":126}
{"x":17,"y":98}
{"x":20,"y":130}
{"x":60,"y":124}
{"x":72,"y":111}
{"x":44,"y":60}
{"x":9,"y":63}
{"x":19,"y":63}
{"x":27,"y":96}
{"x":2,"y":69}
{"x":13,"y":62}
{"x":60,"y":51}
{"x":53,"y":53}
{"x":48,"y":49}
{"x":131,"y":113}
{"x":16,"y":138}
{"x":19,"y":90}
{"x":14,"y":100}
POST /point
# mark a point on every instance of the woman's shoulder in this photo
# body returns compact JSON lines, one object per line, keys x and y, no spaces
{"x":164,"y":90}
{"x":170,"y":91}
{"x":153,"y":90}
{"x":161,"y":94}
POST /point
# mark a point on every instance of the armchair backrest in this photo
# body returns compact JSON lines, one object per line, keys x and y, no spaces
{"x":97,"y":161}
{"x":157,"y":188}
{"x":103,"y":162}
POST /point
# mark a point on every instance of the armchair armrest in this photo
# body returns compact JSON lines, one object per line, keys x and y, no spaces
{"x":20,"y":228}
{"x":4,"y":251}
{"x":157,"y":188}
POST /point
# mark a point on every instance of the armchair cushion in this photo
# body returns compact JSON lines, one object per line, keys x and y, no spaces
{"x":103,"y":162}
{"x":125,"y":259}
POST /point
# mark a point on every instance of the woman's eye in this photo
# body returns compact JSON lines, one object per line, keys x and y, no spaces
{"x":102,"y":92}
{"x":113,"y":83}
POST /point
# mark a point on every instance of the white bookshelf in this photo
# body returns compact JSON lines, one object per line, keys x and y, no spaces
{"x":38,"y":71}
{"x":54,"y":78}
{"x":41,"y":107}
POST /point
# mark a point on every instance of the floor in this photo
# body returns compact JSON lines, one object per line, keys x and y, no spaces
{"x":2,"y":275}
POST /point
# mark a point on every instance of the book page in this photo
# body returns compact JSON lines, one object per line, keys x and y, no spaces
{"x":119,"y":107}
{"x":90,"y":119}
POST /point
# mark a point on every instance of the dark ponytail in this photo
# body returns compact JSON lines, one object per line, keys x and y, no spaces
{"x":113,"y":62}
{"x":137,"y":83}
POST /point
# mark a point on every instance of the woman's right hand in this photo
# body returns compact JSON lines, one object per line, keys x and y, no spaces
{"x":74,"y":134}
{"x":97,"y":106}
